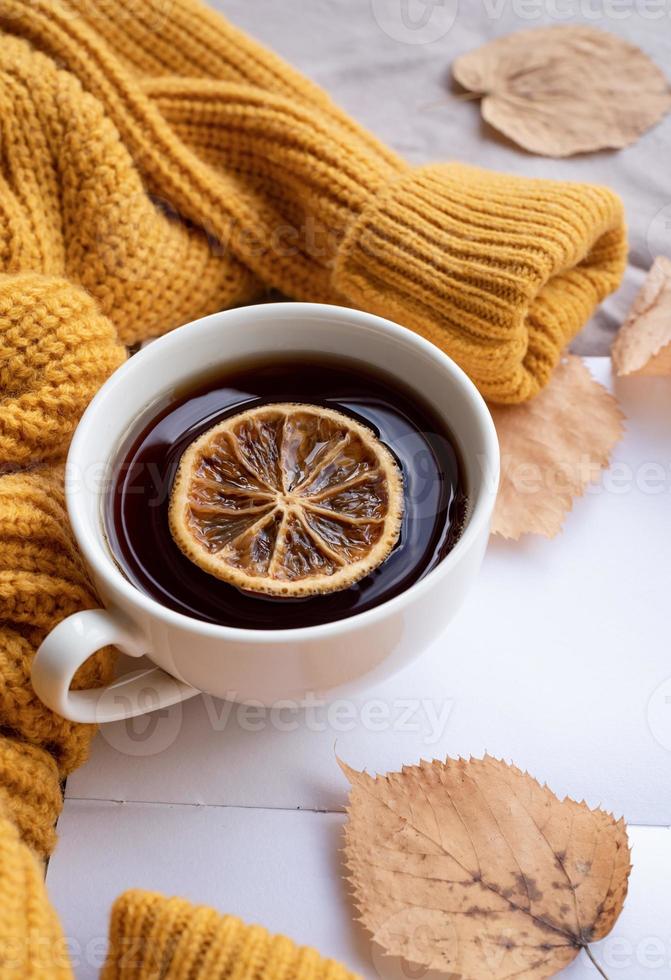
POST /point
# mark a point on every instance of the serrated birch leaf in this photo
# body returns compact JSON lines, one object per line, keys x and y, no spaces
{"x":474,"y":869}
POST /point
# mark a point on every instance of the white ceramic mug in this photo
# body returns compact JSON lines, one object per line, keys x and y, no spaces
{"x":245,"y":664}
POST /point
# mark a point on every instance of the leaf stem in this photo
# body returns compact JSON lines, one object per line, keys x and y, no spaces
{"x":591,"y":956}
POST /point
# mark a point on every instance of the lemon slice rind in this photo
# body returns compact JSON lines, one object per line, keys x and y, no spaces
{"x":287,"y":499}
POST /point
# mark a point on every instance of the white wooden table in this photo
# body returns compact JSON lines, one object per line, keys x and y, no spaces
{"x":560,"y":661}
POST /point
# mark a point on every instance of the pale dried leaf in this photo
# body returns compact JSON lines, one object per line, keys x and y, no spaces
{"x":643,"y":344}
{"x":474,"y":869}
{"x":566,"y":89}
{"x":552,"y":448}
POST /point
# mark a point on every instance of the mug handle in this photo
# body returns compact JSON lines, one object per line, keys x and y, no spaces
{"x":66,"y":648}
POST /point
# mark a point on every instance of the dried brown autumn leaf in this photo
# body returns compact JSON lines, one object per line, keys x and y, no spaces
{"x":552,"y":447}
{"x":643,"y":344}
{"x":474,"y":869}
{"x":565,"y":89}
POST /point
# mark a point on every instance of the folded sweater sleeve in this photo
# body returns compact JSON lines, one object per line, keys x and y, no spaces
{"x":152,"y":936}
{"x":500,"y":271}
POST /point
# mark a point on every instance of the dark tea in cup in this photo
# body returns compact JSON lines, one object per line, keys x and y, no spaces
{"x":343,"y":503}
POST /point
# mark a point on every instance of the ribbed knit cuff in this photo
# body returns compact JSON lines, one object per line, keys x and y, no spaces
{"x":499,"y":271}
{"x":30,"y":793}
{"x":153,"y":936}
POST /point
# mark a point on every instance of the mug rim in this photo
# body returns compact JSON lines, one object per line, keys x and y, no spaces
{"x":105,"y":567}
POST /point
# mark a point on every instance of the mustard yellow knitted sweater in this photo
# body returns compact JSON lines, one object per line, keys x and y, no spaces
{"x":257,"y":180}
{"x":157,"y":165}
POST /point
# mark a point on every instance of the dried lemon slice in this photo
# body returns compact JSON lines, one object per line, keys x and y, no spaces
{"x":287,"y":500}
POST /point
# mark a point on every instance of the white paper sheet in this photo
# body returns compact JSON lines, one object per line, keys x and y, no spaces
{"x":283,"y":870}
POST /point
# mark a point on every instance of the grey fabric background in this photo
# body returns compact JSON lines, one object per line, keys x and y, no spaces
{"x":387,"y":63}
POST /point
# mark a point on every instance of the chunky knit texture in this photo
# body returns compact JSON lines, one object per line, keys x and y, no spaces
{"x":152,"y":936}
{"x":32,"y":945}
{"x":56,"y":349}
{"x":42,"y":580}
{"x":257,"y":177}
{"x":496,"y":270}
{"x":157,"y":165}
{"x":30,"y":792}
